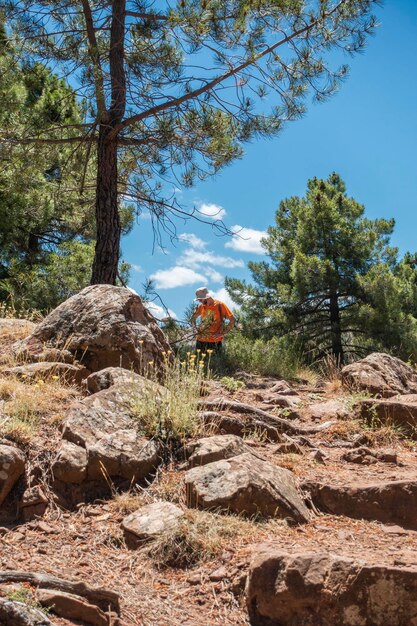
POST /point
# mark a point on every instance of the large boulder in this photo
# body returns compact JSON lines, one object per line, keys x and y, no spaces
{"x":104,"y":431}
{"x":102,"y":326}
{"x":248,"y":485}
{"x":12,"y":466}
{"x":399,"y":412}
{"x":321,"y":589}
{"x":380,"y":374}
{"x":391,"y":502}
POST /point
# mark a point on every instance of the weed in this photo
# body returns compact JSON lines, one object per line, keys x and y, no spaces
{"x":26,"y":595}
{"x":232,"y":384}
{"x":381,"y":432}
{"x":203,"y":535}
{"x":329,"y":368}
{"x":27,"y":404}
{"x":306,"y":375}
{"x":170,"y":413}
{"x":274,"y":357}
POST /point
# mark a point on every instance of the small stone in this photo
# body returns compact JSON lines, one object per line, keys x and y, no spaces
{"x":45,"y":528}
{"x":218,"y":574}
{"x":194,"y":579}
{"x":318,"y":455}
{"x":151,"y":520}
{"x":394,"y":530}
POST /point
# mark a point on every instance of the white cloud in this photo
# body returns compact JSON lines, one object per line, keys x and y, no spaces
{"x":214,"y":275}
{"x":196,"y":259}
{"x":193,"y":240}
{"x":215,"y":211}
{"x":158,"y":311}
{"x":136,"y":268}
{"x":246,"y":240}
{"x":177,"y":276}
{"x":223,"y":296}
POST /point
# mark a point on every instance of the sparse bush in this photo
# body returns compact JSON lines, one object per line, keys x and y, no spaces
{"x":27,"y":404}
{"x":202,"y":535}
{"x":232,"y":384}
{"x":274,"y":357}
{"x":172,"y":414}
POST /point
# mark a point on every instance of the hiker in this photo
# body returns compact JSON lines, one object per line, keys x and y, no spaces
{"x":212,"y":327}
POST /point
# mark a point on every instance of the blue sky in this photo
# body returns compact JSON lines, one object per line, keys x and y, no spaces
{"x":367,"y":133}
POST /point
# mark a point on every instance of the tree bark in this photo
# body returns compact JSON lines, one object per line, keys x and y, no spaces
{"x":336,"y":329}
{"x":107,"y":249}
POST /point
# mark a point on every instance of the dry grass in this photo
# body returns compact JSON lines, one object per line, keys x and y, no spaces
{"x":9,"y":334}
{"x":307,"y":375}
{"x":204,"y":535}
{"x":291,"y":461}
{"x":334,"y":386}
{"x":27,"y":406}
{"x":172,"y":416}
{"x":329,"y":368}
{"x":342,"y":429}
{"x":383,"y":434}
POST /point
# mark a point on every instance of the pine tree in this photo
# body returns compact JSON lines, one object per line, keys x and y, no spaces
{"x":173,"y":93}
{"x":331,"y":278}
{"x":43,"y":215}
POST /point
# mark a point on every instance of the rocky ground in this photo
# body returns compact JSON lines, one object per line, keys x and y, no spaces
{"x":300,"y":508}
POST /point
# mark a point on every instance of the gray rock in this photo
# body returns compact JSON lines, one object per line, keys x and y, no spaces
{"x":391,"y":502}
{"x":210,"y":449}
{"x":70,"y":465}
{"x":399,"y":412}
{"x":320,"y":589}
{"x":102,"y":326}
{"x":331,"y":409}
{"x":14,"y":613}
{"x":122,"y":453}
{"x":12,"y":466}
{"x":246,"y":484}
{"x":98,"y":381}
{"x":67,"y":373}
{"x":151,"y":520}
{"x":106,"y":425}
{"x":380,"y":374}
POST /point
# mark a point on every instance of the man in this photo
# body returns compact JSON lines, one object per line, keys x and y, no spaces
{"x":212,"y":327}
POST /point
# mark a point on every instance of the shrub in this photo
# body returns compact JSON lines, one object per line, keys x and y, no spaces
{"x":171,"y":414}
{"x":274,"y":357}
{"x":232,"y":384}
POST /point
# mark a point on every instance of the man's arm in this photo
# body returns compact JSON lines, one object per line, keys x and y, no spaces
{"x":228,"y":315}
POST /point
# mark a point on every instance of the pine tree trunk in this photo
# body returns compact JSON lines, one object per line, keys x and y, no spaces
{"x":336,"y":329}
{"x":107,"y":249}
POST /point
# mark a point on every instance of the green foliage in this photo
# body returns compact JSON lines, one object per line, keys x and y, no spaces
{"x":191,"y":82}
{"x":232,"y":384}
{"x":46,"y":205}
{"x":272,"y":357}
{"x":333,"y":281}
{"x":171,"y":415}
